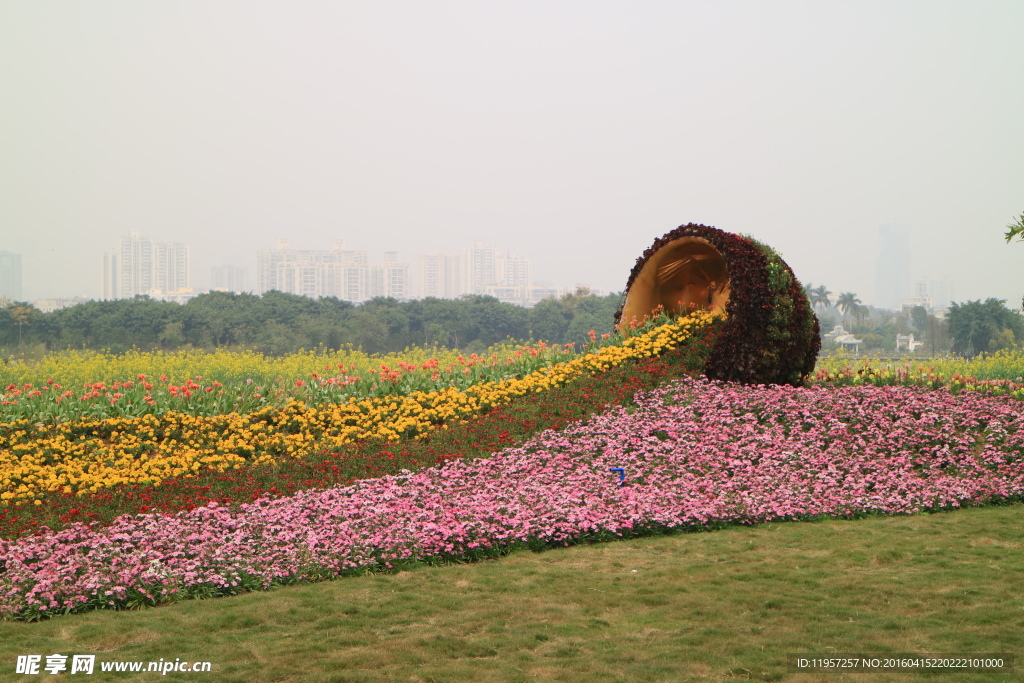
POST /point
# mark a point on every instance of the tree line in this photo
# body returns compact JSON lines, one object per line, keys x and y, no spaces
{"x":967,"y":329}
{"x":277,"y":323}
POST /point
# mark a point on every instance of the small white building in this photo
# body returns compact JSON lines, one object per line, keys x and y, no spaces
{"x":844,"y":339}
{"x":907,"y":341}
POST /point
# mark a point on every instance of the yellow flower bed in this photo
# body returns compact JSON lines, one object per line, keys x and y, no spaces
{"x":1006,"y":364}
{"x":84,"y":457}
{"x":998,"y":374}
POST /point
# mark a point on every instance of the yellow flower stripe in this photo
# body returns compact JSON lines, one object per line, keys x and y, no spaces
{"x":998,"y":374}
{"x":1005,"y":364}
{"x":84,"y":457}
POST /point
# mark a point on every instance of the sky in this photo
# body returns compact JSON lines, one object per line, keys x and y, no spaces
{"x":571,"y":132}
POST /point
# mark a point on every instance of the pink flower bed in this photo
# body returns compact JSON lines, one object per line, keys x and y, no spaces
{"x":695,"y":454}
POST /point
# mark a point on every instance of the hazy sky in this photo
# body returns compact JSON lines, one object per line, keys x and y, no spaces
{"x":573,"y":133}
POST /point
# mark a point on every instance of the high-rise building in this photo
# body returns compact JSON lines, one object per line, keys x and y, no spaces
{"x":942,"y":292}
{"x":481,"y":268}
{"x":892,"y":274}
{"x":140,"y":267}
{"x":338,"y":272}
{"x":935,"y":295}
{"x":440,"y":276}
{"x":170,"y":266}
{"x":921,"y":297}
{"x":272,"y":266}
{"x":134,"y":265}
{"x":513,"y":271}
{"x":487,"y":268}
{"x":228,"y":278}
{"x":390,"y":279}
{"x":110,"y":272}
{"x":348,"y":280}
{"x":10,"y":275}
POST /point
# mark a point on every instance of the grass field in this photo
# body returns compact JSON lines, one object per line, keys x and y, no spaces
{"x":718,"y":606}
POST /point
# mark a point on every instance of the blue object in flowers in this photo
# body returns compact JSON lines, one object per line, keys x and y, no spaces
{"x":622,"y":474}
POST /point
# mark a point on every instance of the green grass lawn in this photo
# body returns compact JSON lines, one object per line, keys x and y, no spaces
{"x":725,"y":605}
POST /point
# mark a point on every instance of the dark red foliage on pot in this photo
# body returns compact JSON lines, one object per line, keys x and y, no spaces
{"x":771,"y":335}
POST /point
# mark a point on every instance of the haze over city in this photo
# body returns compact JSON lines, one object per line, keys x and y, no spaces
{"x":570,"y":133}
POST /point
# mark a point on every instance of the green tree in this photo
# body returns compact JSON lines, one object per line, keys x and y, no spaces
{"x":847,"y":303}
{"x":139,"y":321}
{"x":21,"y":316}
{"x":395,"y":319}
{"x":582,"y":324}
{"x":367,"y":331}
{"x":819,"y":296}
{"x":444,"y":322}
{"x":549,"y":321}
{"x":173,"y":335}
{"x":822,"y":297}
{"x":496,"y":321}
{"x":919,"y":314}
{"x":1015,"y":229}
{"x":979,"y":327}
{"x":276,"y":339}
{"x":222,"y":319}
{"x":284,"y":307}
{"x":861,"y":313}
{"x":1003,"y":339}
{"x":436,"y":334}
{"x":319,"y":330}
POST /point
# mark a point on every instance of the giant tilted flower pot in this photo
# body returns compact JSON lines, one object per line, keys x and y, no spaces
{"x":770,"y":335}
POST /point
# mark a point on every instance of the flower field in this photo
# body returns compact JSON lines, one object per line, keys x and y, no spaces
{"x":120,"y":511}
{"x":84,"y":456}
{"x":999,"y":374}
{"x":77,"y":386}
{"x":693,"y":453}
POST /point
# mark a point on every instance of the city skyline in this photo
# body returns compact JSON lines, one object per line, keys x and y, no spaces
{"x":161,"y":270}
{"x":887,"y":259}
{"x":570,"y":134}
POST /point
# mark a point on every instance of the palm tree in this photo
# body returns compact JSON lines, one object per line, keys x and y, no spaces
{"x":1015,"y":229}
{"x":861,"y":313}
{"x":820,"y":296}
{"x":847,"y":303}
